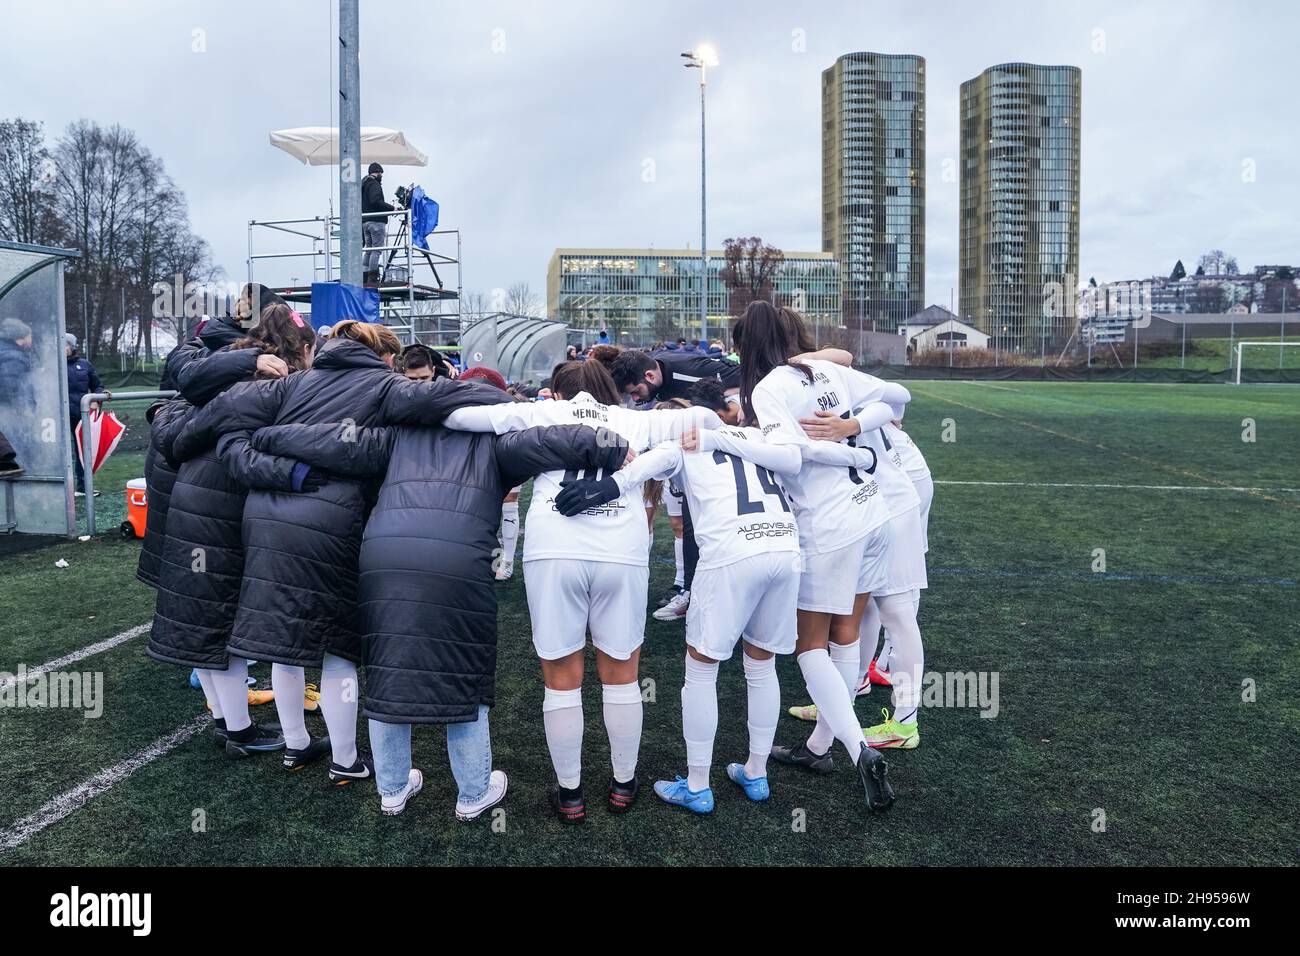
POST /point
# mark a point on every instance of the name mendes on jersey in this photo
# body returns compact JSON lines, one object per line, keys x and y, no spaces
{"x":599,"y":414}
{"x":767,"y":529}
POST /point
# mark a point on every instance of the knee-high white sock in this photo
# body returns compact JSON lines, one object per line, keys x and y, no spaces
{"x":764,"y":711}
{"x":340,"y":696}
{"x":679,"y":578}
{"x":834,"y":704}
{"x":699,"y":719}
{"x":231,"y":688}
{"x":289,"y":684}
{"x":845,"y":659}
{"x":868,"y":638}
{"x":509,"y":532}
{"x":210,"y":692}
{"x":908,"y":662}
{"x":562,"y":717}
{"x":623,"y":711}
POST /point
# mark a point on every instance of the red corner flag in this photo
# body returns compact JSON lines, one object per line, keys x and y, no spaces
{"x":105,"y":432}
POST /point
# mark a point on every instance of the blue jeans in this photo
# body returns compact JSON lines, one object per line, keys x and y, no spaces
{"x":469,"y":749}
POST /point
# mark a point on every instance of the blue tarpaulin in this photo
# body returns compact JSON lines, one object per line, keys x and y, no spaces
{"x":332,"y":302}
{"x":424,"y":217}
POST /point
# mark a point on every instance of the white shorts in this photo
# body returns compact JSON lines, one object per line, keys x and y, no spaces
{"x":672,"y":500}
{"x":756,"y":597}
{"x":831,"y":581}
{"x":925,"y":488}
{"x":566,"y":595}
{"x":906,"y":561}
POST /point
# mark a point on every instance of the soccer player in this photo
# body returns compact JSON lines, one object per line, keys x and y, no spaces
{"x":747,"y":584}
{"x":843,"y":524}
{"x":588,"y":572}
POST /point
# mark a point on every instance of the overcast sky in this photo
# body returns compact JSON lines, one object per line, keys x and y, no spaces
{"x":543,"y":122}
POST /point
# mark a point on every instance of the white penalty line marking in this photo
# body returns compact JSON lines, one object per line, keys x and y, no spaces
{"x":108,"y":644}
{"x":67,"y":804}
{"x":1055,"y":484}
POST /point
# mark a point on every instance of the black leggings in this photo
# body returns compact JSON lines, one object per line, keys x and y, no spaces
{"x":690,"y":550}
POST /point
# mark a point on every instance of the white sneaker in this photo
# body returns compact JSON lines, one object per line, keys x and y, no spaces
{"x":676,"y":608}
{"x":495,"y":793}
{"x":392,"y":806}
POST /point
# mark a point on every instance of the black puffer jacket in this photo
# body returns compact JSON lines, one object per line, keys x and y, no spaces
{"x":298,"y":597}
{"x":189,"y":371}
{"x":202,"y":560}
{"x":427,"y":603}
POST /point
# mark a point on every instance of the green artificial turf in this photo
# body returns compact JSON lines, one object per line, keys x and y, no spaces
{"x":1119,"y":692}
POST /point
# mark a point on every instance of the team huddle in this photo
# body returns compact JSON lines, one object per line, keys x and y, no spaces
{"x":337,"y":504}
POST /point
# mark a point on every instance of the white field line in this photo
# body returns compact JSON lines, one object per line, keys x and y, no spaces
{"x":1056,"y":484}
{"x":63,"y":806}
{"x":97,"y":648}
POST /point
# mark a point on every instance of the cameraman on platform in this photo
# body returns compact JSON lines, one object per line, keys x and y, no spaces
{"x":374,"y":231}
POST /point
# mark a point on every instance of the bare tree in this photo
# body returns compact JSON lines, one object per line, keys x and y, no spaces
{"x":474,"y":304}
{"x":750,"y":272}
{"x":522,"y":300}
{"x":26,"y":179}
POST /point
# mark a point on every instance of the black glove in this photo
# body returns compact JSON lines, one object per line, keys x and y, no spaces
{"x":576,"y":497}
{"x":614,"y":446}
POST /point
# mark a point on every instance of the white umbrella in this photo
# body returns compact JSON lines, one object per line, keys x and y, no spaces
{"x":319,"y":146}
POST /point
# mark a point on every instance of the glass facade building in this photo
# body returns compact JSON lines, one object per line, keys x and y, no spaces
{"x":644,"y":295}
{"x":1019,"y":244}
{"x":873,"y":185}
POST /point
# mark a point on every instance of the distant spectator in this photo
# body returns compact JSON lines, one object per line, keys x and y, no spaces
{"x":571,"y":354}
{"x":374,"y":230}
{"x":82,"y":381}
{"x":603,"y":338}
{"x":16,"y":364}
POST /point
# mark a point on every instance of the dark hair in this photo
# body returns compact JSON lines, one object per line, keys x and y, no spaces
{"x":708,"y":393}
{"x":629,"y":368}
{"x":570,"y":378}
{"x":767,"y":337}
{"x":254,"y":297}
{"x":417,"y":355}
{"x":281,"y":331}
{"x":604,"y":354}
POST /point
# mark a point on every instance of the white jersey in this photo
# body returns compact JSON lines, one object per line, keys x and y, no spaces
{"x":738,"y":506}
{"x":613,"y":532}
{"x":835,"y":504}
{"x":912,"y":460}
{"x":900,"y":493}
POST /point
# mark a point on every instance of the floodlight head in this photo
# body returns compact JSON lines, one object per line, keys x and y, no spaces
{"x":706,"y":54}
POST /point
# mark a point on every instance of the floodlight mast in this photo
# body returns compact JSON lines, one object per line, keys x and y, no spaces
{"x":350,"y":237}
{"x":701,"y":58}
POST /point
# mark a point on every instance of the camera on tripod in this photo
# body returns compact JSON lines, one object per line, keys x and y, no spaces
{"x":403,"y":195}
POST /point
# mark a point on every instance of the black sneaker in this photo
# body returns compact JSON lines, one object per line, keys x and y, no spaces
{"x":568,"y":805}
{"x":255,"y":738}
{"x":622,"y":795}
{"x":363,"y":769}
{"x":873,"y":770}
{"x":295,"y":760}
{"x":800,"y":756}
{"x":219,"y":732}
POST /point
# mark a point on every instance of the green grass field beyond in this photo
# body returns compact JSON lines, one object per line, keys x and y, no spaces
{"x":1120,"y":693}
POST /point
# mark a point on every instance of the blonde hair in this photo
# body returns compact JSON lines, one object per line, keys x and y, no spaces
{"x":378,"y":338}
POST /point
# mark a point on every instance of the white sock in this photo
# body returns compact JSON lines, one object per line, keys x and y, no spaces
{"x":210,"y":692}
{"x":834,"y":704}
{"x":231,"y":688}
{"x":868,"y":638}
{"x":845,"y":659}
{"x":908,"y":662}
{"x":509,"y":533}
{"x":699,"y":719}
{"x":764,"y":711}
{"x":679,"y":579}
{"x":340,"y":696}
{"x":562,"y":717}
{"x":623,"y":712}
{"x":289,"y":684}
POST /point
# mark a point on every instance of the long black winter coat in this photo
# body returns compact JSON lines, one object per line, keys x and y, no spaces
{"x":298,"y":596}
{"x":202,"y":560}
{"x":427,"y":603}
{"x":189,"y":371}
